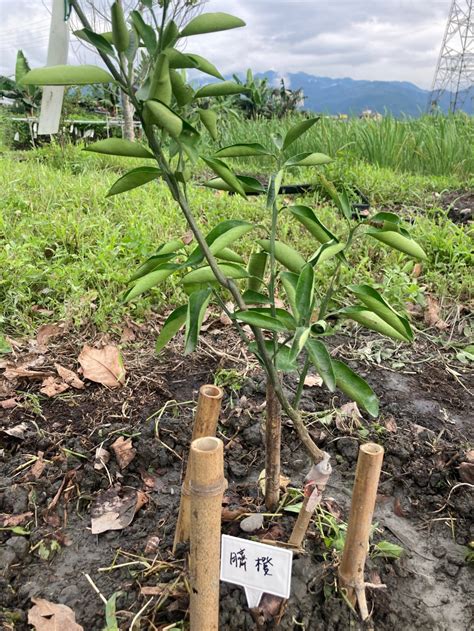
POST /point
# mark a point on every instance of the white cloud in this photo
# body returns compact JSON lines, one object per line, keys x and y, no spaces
{"x":363,"y":39}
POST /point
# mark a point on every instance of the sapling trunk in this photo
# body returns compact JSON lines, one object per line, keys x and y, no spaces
{"x":205,"y":423}
{"x":272,"y":449}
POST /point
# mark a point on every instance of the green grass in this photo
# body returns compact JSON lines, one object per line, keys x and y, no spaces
{"x":66,"y":251}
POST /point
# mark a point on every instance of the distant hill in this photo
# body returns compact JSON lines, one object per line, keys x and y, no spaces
{"x":350,"y":96}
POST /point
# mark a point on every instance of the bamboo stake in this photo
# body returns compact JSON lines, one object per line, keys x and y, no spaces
{"x":272,"y":449}
{"x":351,"y":570}
{"x":205,"y":424}
{"x":207,"y":488}
{"x":315,"y":483}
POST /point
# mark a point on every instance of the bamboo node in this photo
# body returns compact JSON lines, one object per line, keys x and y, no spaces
{"x":207,"y":491}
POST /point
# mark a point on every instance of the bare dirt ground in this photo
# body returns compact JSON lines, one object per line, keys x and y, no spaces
{"x":49,"y":486}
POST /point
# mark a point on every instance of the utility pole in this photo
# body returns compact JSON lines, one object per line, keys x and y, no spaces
{"x":455,"y":70}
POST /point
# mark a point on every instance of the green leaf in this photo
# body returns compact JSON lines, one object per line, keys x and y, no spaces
{"x":165,"y":253}
{"x":160,"y":86}
{"x":382,"y":217}
{"x":282,"y":315}
{"x":221,"y":236}
{"x":387,"y":550}
{"x":299,"y":340}
{"x":371,"y":321}
{"x":306,"y":216}
{"x":398,"y":241}
{"x":223,"y":171}
{"x":211,"y":23}
{"x":178,"y":59}
{"x":340,"y":200}
{"x":120,"y":147}
{"x":150,"y":280}
{"x":281,"y":359}
{"x":160,"y":114}
{"x":308,"y":160}
{"x":305,"y":294}
{"x":197,"y":306}
{"x":254,"y":317}
{"x":171,"y":326}
{"x":321,"y":360}
{"x":284,"y":254}
{"x":326,"y":251}
{"x":289,"y":281}
{"x":21,"y":67}
{"x":120,"y":33}
{"x":224,"y":88}
{"x":205,"y":274}
{"x":209,"y":120}
{"x":5,"y":347}
{"x":98,"y":41}
{"x":226,"y":254}
{"x":355,"y":388}
{"x":67,"y":75}
{"x":249,"y":184}
{"x":242,"y":150}
{"x":298,"y":130}
{"x":204,"y":66}
{"x":252,"y":297}
{"x":170,"y":34}
{"x":376,"y":303}
{"x":183,"y":93}
{"x":134,"y":178}
{"x":110,"y":613}
{"x":146,"y":33}
{"x":256,"y":269}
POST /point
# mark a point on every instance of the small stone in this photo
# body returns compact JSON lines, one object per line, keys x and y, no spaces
{"x":439,"y":552}
{"x":451,"y":569}
{"x":252,"y":523}
{"x":70,"y":596}
{"x":7,"y":558}
{"x":29,"y":589}
{"x":252,"y":435}
{"x":19,"y":545}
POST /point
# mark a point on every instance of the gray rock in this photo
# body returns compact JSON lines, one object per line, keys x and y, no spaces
{"x":20,"y":546}
{"x":70,"y":595}
{"x":7,"y":558}
{"x":252,"y":523}
{"x":252,"y":435}
{"x":29,"y":589}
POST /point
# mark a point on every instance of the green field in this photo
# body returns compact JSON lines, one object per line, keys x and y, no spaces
{"x":66,"y":251}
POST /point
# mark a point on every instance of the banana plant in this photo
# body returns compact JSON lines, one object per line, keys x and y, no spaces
{"x":287,"y":339}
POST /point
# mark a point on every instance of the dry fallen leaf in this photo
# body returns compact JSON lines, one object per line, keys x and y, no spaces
{"x":37,"y":469}
{"x":10,"y":521}
{"x":53,"y":386}
{"x":103,"y":365}
{"x":312,"y":381}
{"x":102,"y":456}
{"x":18,"y":372}
{"x":390,"y":424}
{"x":187,"y":237}
{"x":348,"y":417}
{"x":124,"y":451}
{"x":432,"y":316}
{"x":128,"y":335}
{"x":69,"y":377}
{"x":466,"y":472}
{"x":230,"y":514}
{"x":418,"y":268}
{"x":152,"y":545}
{"x":152,"y":480}
{"x":46,"y":332}
{"x":48,"y":616}
{"x":16,"y":432}
{"x":9,"y":404}
{"x":115,"y":508}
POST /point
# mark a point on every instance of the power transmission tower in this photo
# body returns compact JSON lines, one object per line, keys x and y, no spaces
{"x":455,"y":70}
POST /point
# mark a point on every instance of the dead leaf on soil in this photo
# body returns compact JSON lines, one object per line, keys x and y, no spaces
{"x":52,"y":386}
{"x":470,"y":456}
{"x":10,"y":521}
{"x":432,"y":316}
{"x":102,"y":456}
{"x":152,"y":545}
{"x":128,"y":335}
{"x":103,"y":365}
{"x":37,"y":469}
{"x":18,"y":372}
{"x":348,"y":417}
{"x":46,"y":332}
{"x":69,"y":377}
{"x":466,"y":472}
{"x":9,"y":404}
{"x":312,"y":381}
{"x":230,"y":514}
{"x":390,"y":424}
{"x":152,"y":480}
{"x":115,"y":508}
{"x":284,"y":481}
{"x":124,"y":451}
{"x":417,"y":270}
{"x":16,"y":432}
{"x":48,"y":616}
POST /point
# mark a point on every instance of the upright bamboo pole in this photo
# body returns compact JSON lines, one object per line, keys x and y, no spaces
{"x":207,"y":488}
{"x":351,"y":570}
{"x":205,"y":424}
{"x":272,"y":449}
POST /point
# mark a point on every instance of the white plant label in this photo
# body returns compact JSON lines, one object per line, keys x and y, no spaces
{"x":258,"y":568}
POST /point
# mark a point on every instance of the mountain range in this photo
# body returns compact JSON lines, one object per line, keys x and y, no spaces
{"x":351,"y":96}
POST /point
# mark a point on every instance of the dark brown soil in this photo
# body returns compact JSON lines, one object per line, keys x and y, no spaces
{"x":460,"y":205}
{"x":424,"y":505}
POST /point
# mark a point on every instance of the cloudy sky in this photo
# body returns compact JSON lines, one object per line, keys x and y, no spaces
{"x":362,"y":39}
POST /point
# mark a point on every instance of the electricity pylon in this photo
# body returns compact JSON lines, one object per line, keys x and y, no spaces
{"x":455,"y":69}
